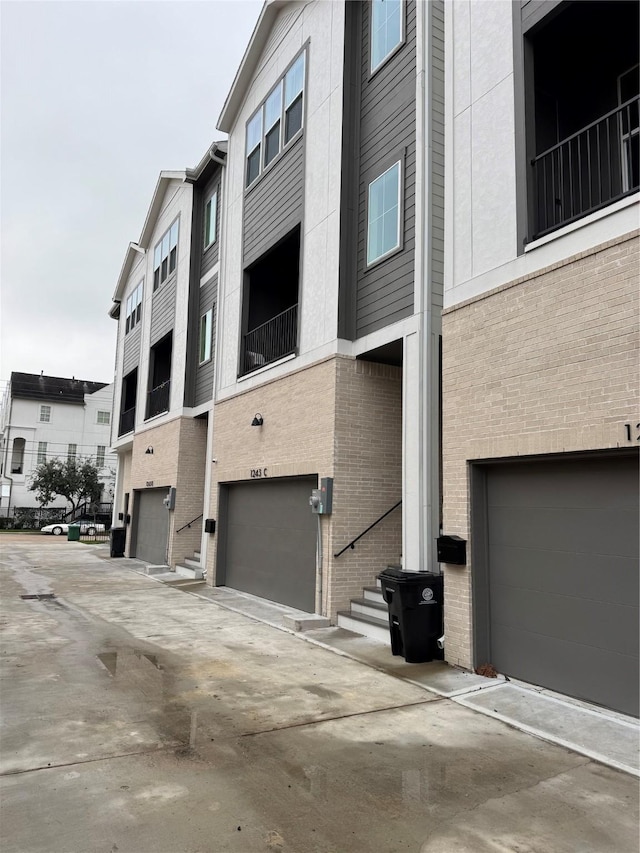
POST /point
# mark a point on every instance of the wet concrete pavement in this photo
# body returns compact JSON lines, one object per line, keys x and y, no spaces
{"x":140,"y":719}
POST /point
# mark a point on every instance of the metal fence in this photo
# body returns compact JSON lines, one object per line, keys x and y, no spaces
{"x":270,"y":341}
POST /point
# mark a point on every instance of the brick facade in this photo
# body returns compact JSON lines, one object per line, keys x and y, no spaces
{"x":339,"y":418}
{"x":545,"y":364}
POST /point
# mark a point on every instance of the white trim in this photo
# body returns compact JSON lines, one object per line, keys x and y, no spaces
{"x":265,"y":367}
{"x":398,"y":243}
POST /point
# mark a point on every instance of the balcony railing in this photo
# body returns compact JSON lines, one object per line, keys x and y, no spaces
{"x":588,"y":170}
{"x":158,"y":399}
{"x":270,"y":341}
{"x":127,"y":421}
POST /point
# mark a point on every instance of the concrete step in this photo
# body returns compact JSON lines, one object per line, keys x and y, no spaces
{"x":373,"y":593}
{"x":192,"y":564}
{"x":197,"y":556}
{"x":189,"y":572}
{"x":366,"y":607}
{"x":156,"y":570}
{"x":367,"y":626}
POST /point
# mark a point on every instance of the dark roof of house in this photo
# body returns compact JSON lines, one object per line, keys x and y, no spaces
{"x":32,"y":386}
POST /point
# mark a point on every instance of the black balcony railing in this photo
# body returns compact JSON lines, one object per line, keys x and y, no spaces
{"x":588,"y":170}
{"x":270,"y":341}
{"x":127,"y":421}
{"x":158,"y":399}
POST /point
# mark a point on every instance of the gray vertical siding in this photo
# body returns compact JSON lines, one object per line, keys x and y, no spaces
{"x":435,"y":193}
{"x":163,"y":309}
{"x":205,"y":373}
{"x":210,"y":255}
{"x":131,"y":355}
{"x":384,"y":130}
{"x":274,"y":205}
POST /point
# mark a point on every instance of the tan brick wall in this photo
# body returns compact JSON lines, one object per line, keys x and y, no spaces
{"x":368,"y":477}
{"x":339,"y":418}
{"x":545,"y":364}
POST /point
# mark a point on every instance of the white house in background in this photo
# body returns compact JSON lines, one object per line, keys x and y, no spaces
{"x":44,"y":417}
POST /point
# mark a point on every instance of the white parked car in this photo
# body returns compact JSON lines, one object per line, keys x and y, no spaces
{"x":87,"y":526}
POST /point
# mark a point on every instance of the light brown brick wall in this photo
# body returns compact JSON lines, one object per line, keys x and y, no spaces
{"x":545,"y":364}
{"x":339,"y":418}
{"x":368,"y":477}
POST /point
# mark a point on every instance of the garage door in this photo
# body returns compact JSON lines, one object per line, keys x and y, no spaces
{"x":151,"y":521}
{"x":270,"y":540}
{"x":561,"y":601}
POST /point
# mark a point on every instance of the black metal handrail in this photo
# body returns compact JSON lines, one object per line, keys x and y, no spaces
{"x":158,"y":399}
{"x":127,"y":421}
{"x":590,"y":169}
{"x":270,"y":341}
{"x":352,"y":544}
{"x":189,"y":523}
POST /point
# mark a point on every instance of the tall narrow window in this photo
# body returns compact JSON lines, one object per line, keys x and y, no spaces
{"x":210,"y":220}
{"x":272,"y":116}
{"x":386,"y":29}
{"x":45,"y":414}
{"x":104,"y":418}
{"x":100,"y":452}
{"x":383,"y":225}
{"x":42,"y":452}
{"x":165,"y":256}
{"x":254,"y":139}
{"x":293,"y":89}
{"x":134,"y":309}
{"x":72,"y":451}
{"x":205,"y":336}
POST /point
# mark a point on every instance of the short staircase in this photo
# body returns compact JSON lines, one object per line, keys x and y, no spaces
{"x":368,"y":615}
{"x":187,"y":575}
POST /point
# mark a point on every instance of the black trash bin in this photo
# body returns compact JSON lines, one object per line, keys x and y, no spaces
{"x":415,"y":602}
{"x":117,"y":541}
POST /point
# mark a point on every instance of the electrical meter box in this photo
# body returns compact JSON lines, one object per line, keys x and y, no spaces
{"x":321,"y":500}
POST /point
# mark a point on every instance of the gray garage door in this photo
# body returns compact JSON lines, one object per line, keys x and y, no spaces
{"x":562,"y":576}
{"x":269,"y":540}
{"x":151,"y":522}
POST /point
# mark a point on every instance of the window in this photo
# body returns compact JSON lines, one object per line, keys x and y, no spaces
{"x":72,"y":451}
{"x":100,"y":452}
{"x":383,"y":224}
{"x":165,"y":256}
{"x":386,"y":30}
{"x":205,"y":336}
{"x":210,"y":220}
{"x":45,"y":414}
{"x":277,"y":121}
{"x":134,"y":309}
{"x":104,"y":418}
{"x":42,"y":452}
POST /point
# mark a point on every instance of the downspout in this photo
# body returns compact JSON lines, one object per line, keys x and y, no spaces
{"x":319,"y":559}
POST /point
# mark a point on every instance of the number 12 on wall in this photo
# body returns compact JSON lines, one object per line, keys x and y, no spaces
{"x":628,"y":429}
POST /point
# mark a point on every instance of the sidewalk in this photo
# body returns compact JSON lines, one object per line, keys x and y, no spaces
{"x":140,"y":718}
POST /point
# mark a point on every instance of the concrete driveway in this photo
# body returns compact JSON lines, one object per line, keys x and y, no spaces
{"x":140,"y":719}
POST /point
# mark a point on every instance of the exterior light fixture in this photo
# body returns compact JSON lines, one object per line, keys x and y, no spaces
{"x":149,"y":450}
{"x":257,"y":420}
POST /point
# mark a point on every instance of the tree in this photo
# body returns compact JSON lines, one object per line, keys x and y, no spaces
{"x":73,"y":479}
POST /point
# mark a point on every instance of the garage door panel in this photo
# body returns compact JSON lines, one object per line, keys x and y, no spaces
{"x":271,"y":540}
{"x":582,"y":671}
{"x":562,"y":575}
{"x":599,"y":576}
{"x":564,"y":618}
{"x":569,"y":529}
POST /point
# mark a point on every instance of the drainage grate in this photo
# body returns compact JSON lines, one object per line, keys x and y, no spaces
{"x":42,"y":596}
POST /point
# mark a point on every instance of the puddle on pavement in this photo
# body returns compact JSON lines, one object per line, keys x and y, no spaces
{"x":133,"y":661}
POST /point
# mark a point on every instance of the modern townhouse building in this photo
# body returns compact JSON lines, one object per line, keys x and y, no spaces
{"x":47,"y":417}
{"x":329,"y":308}
{"x":540,"y":343}
{"x":165,"y":304}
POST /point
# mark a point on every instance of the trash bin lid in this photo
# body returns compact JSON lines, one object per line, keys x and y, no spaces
{"x":402,"y":577}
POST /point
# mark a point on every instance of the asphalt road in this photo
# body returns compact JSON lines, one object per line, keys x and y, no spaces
{"x":141,"y":719}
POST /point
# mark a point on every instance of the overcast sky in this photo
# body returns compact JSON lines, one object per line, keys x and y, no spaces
{"x":97,"y":97}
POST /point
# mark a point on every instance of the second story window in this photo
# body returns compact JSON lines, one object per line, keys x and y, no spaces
{"x":386,"y":30}
{"x":210,"y":220}
{"x":165,"y":256}
{"x":100,"y":452}
{"x":383,"y":218}
{"x":72,"y":451}
{"x":42,"y":452}
{"x":134,"y":309}
{"x":104,"y":417}
{"x":45,"y":414}
{"x":277,"y":121}
{"x":205,"y":336}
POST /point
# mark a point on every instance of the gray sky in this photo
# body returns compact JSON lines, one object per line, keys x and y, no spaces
{"x":97,"y":98}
